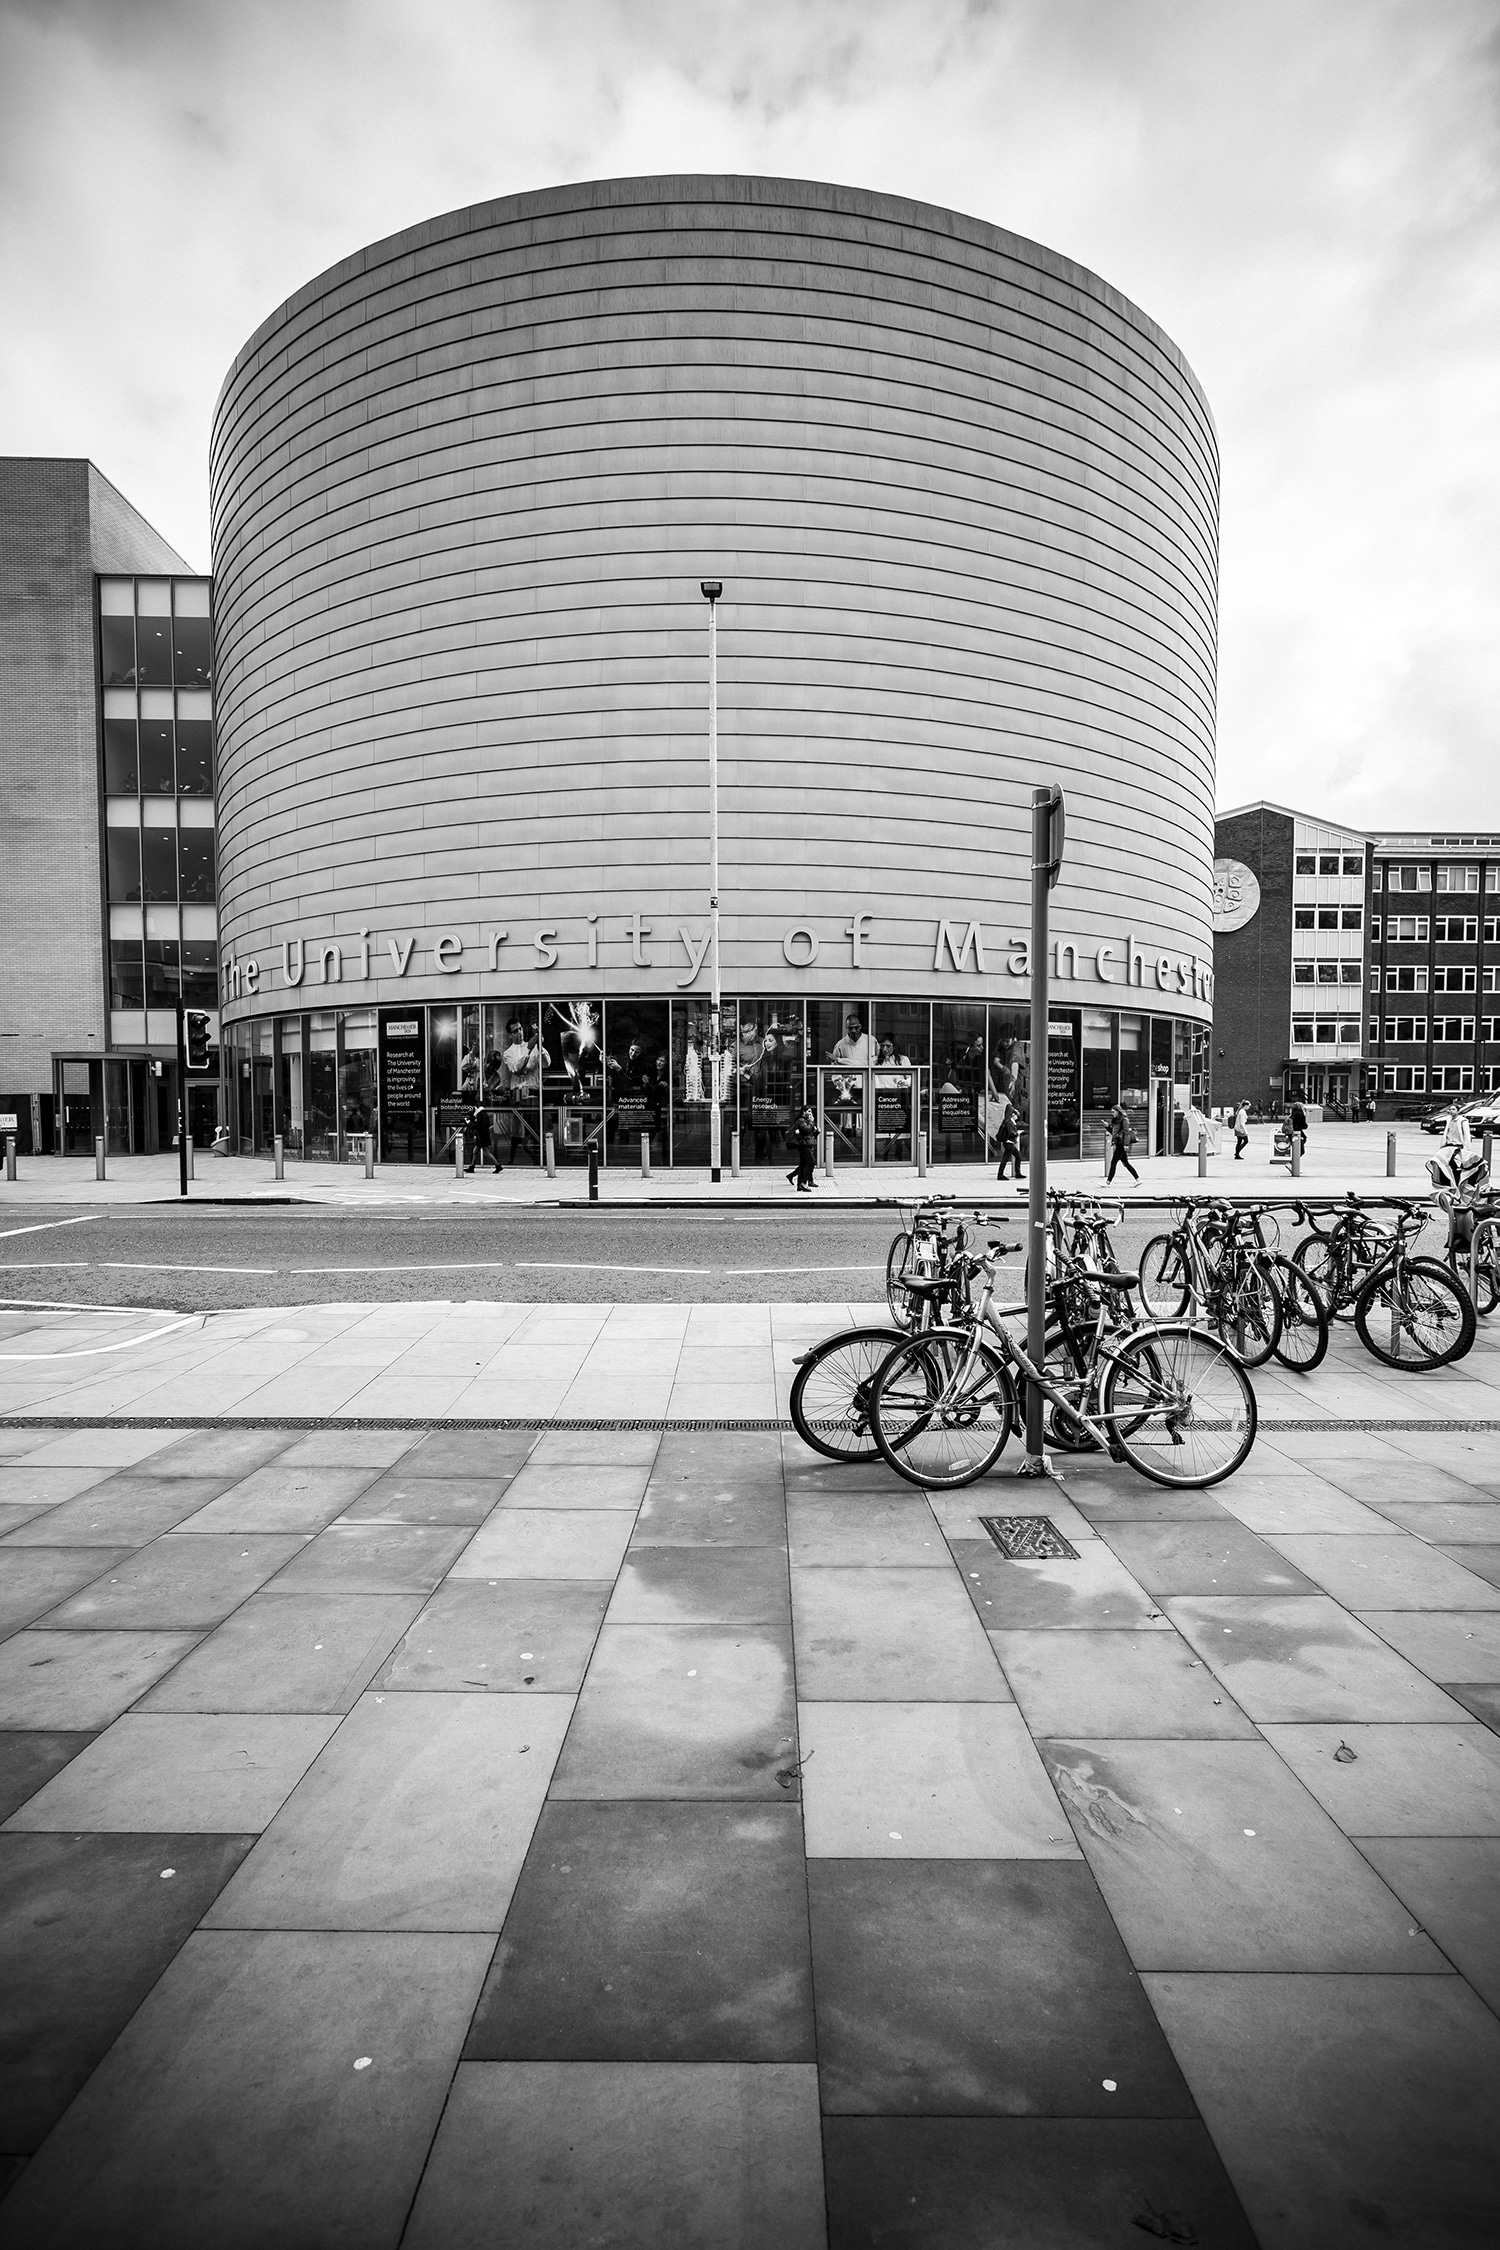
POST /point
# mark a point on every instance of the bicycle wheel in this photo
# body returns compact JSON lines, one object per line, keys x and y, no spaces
{"x":1246,"y":1311}
{"x":1303,"y":1342}
{"x":1165,"y":1278}
{"x":1329,"y":1273}
{"x":941,"y":1414}
{"x":1415,"y":1314}
{"x":1486,"y":1290}
{"x":1180,"y":1405}
{"x":905,"y":1259}
{"x":830,"y":1401}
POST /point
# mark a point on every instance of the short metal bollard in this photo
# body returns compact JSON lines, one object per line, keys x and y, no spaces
{"x":829,"y":1167}
{"x":1297,"y":1140}
{"x":278,"y":1157}
{"x":191,"y":1173}
{"x":734,"y":1156}
{"x":1390,"y":1156}
{"x":369,"y":1156}
{"x":458,"y":1156}
{"x":921,"y":1156}
{"x":10,"y":1156}
{"x":1203,"y":1156}
{"x":645,"y":1156}
{"x":99,"y":1158}
{"x":550,"y":1149}
{"x":593,"y":1171}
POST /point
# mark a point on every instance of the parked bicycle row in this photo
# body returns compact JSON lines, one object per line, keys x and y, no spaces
{"x":1151,"y":1365}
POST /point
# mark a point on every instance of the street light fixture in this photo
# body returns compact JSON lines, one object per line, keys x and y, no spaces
{"x":711,"y":589}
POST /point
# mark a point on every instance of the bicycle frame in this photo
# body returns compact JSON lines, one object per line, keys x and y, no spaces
{"x":987,"y":1317}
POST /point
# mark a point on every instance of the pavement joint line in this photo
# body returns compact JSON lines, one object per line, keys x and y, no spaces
{"x":665,"y":1422}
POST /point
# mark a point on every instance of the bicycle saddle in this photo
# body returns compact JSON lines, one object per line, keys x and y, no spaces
{"x":1104,"y":1279}
{"x":927,"y":1288}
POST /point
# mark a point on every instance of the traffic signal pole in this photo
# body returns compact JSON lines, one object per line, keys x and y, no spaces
{"x":181,"y":1096}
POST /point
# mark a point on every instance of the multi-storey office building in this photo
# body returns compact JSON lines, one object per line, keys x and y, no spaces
{"x":962,"y":498}
{"x":107,"y":905}
{"x":1435,"y":965}
{"x":1352,"y":968}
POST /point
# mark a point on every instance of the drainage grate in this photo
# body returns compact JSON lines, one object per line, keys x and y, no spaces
{"x":1029,"y":1538}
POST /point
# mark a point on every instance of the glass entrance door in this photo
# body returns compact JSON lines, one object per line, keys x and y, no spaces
{"x":843,"y":1111}
{"x":896,"y":1114}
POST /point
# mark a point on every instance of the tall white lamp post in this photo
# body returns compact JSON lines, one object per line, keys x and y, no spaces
{"x":711,"y":589}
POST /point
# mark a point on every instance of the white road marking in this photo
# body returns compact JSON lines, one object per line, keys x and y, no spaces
{"x":43,"y":1224}
{"x":124,"y":1265}
{"x":93,"y":1351}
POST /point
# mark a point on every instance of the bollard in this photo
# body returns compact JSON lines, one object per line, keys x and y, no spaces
{"x":191,"y":1173}
{"x":593,"y":1171}
{"x":645,"y":1156}
{"x":921,"y":1156}
{"x":1203,"y":1156}
{"x":458,"y":1156}
{"x":278,"y":1157}
{"x":551,"y":1153}
{"x":829,"y":1168}
{"x":10,"y":1156}
{"x":1390,"y":1156}
{"x":369,"y":1156}
{"x":734,"y":1156}
{"x":99,"y":1158}
{"x":1297,"y":1140}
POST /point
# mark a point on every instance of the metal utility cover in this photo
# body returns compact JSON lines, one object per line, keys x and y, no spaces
{"x":1029,"y":1538}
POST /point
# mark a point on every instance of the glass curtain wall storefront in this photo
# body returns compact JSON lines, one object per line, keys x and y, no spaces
{"x":606,"y":1073}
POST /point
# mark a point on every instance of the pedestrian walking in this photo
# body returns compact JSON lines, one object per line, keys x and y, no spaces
{"x":805,"y":1140}
{"x":1241,"y":1130}
{"x":1297,"y":1122}
{"x":1010,"y":1139}
{"x":480,"y":1130}
{"x":1121,"y":1140}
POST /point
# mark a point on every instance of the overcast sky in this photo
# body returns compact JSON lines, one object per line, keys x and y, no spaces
{"x":1303,"y":192}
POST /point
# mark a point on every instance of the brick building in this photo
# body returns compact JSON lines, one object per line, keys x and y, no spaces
{"x":1352,"y":967}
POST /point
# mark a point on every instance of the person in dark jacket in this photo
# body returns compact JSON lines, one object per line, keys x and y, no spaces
{"x":805,"y":1138}
{"x":479,"y":1145}
{"x":1297,"y":1121}
{"x":1121,"y":1136}
{"x":1010,"y":1139}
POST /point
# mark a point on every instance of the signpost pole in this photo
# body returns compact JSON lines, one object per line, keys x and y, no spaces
{"x":711,"y":589}
{"x":1046,"y":858}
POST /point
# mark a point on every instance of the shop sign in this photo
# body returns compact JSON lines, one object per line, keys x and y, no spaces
{"x":960,"y":949}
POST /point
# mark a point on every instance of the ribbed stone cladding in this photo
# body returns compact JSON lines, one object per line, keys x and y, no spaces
{"x":962,"y":496}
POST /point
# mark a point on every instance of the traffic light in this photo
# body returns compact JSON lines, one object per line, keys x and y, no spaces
{"x":198,"y":1027}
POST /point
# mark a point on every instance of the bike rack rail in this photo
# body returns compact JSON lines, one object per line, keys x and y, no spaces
{"x":1485,"y":1226}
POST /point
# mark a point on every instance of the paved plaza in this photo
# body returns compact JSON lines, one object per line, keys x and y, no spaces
{"x":439,"y":1835}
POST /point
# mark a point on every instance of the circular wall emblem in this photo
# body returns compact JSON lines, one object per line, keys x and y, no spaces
{"x":1236,"y":895}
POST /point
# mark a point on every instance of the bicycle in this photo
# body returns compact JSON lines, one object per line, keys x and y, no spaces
{"x":1169,"y":1399}
{"x":1206,"y":1263}
{"x":831,"y":1390}
{"x":1339,"y":1260}
{"x":1414,"y":1312}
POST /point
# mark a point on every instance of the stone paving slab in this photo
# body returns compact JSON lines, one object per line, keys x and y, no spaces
{"x":607,"y":1363}
{"x":659,"y":1836}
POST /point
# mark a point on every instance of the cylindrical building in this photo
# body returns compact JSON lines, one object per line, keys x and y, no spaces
{"x":963,"y":500}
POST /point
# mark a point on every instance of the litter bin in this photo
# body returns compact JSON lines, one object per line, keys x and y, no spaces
{"x":1180,"y":1132}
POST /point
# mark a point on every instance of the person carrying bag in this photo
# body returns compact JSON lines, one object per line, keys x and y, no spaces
{"x":1121,"y":1141}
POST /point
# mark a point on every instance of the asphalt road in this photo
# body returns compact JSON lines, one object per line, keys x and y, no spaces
{"x":213,"y":1258}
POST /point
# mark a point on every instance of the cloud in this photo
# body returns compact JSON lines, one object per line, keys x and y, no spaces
{"x":1305,"y":195}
